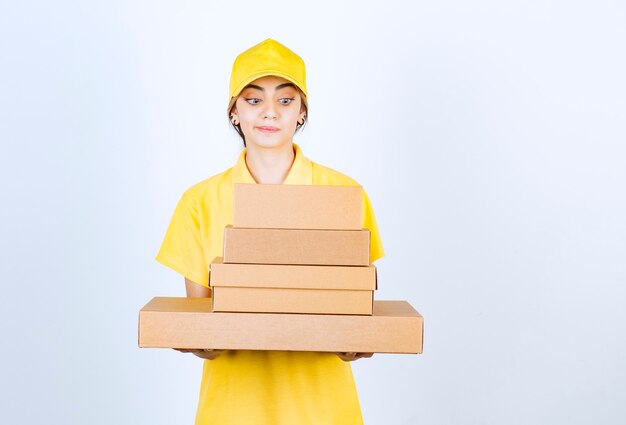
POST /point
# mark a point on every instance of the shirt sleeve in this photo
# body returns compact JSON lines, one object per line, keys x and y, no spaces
{"x":369,"y":222}
{"x":182,"y":248}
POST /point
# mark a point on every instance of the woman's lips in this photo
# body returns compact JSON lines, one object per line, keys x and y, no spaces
{"x":267,"y":129}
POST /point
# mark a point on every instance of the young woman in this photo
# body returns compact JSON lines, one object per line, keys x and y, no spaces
{"x":267,"y":105}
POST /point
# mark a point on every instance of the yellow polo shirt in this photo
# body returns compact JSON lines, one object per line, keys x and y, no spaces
{"x":260,"y":387}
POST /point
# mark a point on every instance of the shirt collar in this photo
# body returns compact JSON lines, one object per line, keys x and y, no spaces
{"x":301,"y":171}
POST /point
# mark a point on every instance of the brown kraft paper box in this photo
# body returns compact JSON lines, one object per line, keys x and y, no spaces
{"x":292,"y":276}
{"x":292,"y":300}
{"x":270,"y":288}
{"x":297,"y":206}
{"x":395,"y":327}
{"x":296,"y":246}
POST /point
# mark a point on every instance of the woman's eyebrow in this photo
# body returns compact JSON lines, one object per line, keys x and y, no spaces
{"x":278,"y":87}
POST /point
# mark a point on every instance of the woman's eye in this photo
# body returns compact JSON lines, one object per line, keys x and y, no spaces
{"x":253,"y":100}
{"x":286,"y":100}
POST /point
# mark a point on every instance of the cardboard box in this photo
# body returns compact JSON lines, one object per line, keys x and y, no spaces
{"x":292,"y":276}
{"x":296,"y":246}
{"x":281,"y":300}
{"x":395,"y":327}
{"x":297,"y":206}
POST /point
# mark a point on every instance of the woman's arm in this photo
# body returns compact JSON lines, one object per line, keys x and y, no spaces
{"x":195,"y":290}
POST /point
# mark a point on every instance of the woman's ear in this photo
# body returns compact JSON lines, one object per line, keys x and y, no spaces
{"x":234,"y":117}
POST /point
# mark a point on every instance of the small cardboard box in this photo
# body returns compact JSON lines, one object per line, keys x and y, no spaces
{"x":292,"y":300}
{"x":296,"y":246}
{"x":297,"y":206}
{"x":395,"y":327}
{"x":292,"y":276}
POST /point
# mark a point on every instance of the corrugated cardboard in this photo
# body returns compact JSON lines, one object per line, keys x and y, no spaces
{"x":292,"y":276}
{"x":297,"y":206}
{"x":395,"y":327}
{"x":296,"y":246}
{"x":274,"y":300}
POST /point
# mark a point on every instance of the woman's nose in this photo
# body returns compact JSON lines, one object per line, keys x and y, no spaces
{"x":269,"y":111}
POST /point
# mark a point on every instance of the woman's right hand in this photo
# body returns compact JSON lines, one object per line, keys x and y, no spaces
{"x":206,"y":353}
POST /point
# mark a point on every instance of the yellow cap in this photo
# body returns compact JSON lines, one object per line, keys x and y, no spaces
{"x":269,"y":57}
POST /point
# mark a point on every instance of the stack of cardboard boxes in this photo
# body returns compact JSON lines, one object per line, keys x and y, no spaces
{"x":295,"y":275}
{"x":295,"y":249}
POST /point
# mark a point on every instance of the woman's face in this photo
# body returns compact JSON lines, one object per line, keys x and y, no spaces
{"x":268,"y":110}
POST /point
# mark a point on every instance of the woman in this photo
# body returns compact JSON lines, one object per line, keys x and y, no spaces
{"x":267,"y":106}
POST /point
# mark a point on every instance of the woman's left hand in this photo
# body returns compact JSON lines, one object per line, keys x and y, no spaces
{"x":206,"y":354}
{"x":348,"y":357}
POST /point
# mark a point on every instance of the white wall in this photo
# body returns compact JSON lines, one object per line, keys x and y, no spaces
{"x":489,"y":135}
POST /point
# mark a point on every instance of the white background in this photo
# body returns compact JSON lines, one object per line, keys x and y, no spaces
{"x":489,"y":135}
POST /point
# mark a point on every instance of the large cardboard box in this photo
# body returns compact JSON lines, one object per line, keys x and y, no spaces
{"x":395,"y":327}
{"x":296,"y":246}
{"x":292,"y":300}
{"x":292,"y":276}
{"x":297,"y":206}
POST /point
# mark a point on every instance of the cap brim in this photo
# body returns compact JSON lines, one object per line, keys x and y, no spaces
{"x":260,"y":74}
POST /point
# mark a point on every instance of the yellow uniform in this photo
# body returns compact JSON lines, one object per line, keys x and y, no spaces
{"x":260,"y":387}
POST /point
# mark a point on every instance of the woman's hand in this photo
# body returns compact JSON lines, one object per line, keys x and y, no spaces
{"x":206,"y":353}
{"x":348,"y":357}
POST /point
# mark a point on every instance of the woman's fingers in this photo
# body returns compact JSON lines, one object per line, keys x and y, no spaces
{"x":203,"y":353}
{"x":209,"y":354}
{"x":351,"y":356}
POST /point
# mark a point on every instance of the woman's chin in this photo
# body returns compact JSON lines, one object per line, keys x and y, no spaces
{"x":267,"y":142}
